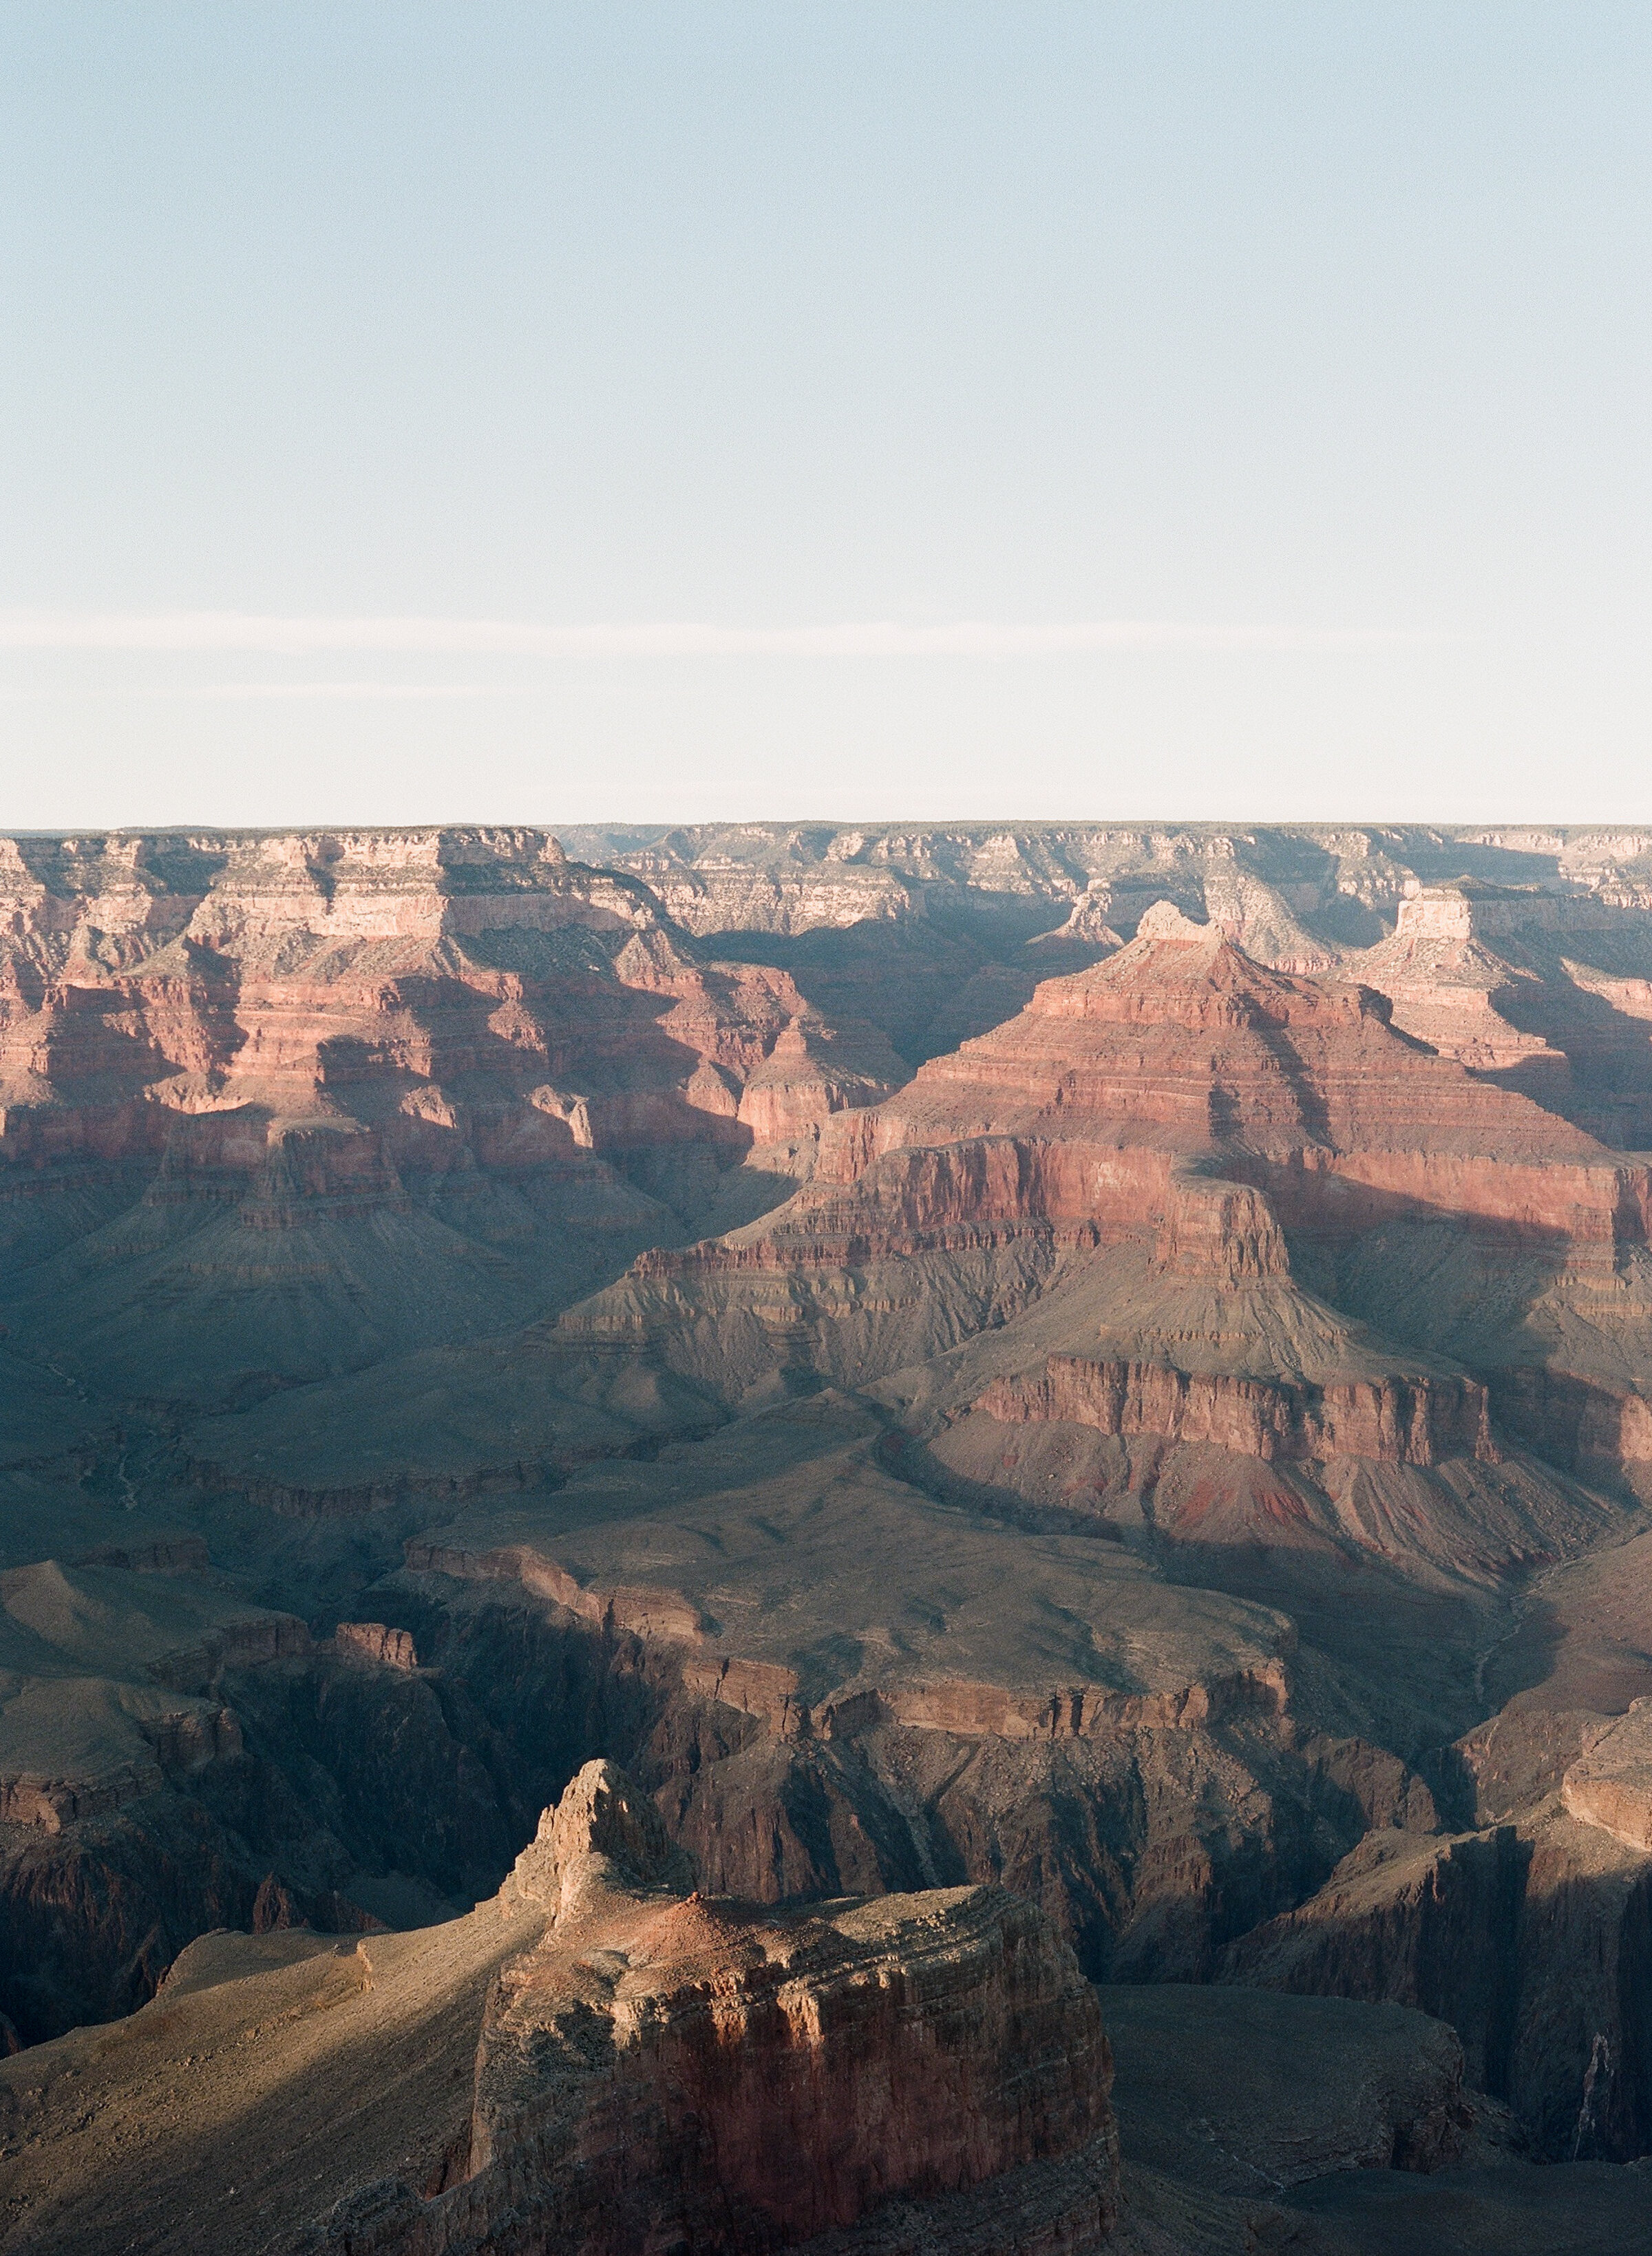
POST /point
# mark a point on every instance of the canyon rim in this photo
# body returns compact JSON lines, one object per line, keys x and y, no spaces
{"x":872,"y":1539}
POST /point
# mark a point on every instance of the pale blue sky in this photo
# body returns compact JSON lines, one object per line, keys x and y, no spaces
{"x":1291,"y":360}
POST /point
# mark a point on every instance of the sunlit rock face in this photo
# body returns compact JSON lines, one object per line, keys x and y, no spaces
{"x":1022,"y":1358}
{"x":661,"y":2063}
{"x":423,"y":981}
{"x":1611,"y":1785}
{"x":425,"y":1083}
{"x":600,"y":2057}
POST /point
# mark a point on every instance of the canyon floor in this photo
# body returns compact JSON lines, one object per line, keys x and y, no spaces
{"x":1108,"y":1365}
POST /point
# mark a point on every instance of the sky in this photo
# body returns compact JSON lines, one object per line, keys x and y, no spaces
{"x":878,"y":410}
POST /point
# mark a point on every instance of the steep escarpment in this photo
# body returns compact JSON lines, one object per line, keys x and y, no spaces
{"x":1126,"y":1194}
{"x":641,"y":2060}
{"x":1145,"y":1146}
{"x":1182,"y":1095}
{"x":1262,"y":1422}
{"x":1541,"y":993}
{"x":1389,"y":1420}
{"x":1532,"y":1939}
{"x":274,"y":1106}
{"x":1180,"y":1045}
{"x":832,"y":1683}
{"x":779,"y":2077}
{"x":595,"y":2054}
{"x":1610,"y":1785}
{"x":1177,"y":1454}
{"x":175,"y":1759}
{"x":1295,"y":895}
{"x":829,"y":1683}
{"x":1085,"y":1303}
{"x":1523,"y":954}
{"x":309,"y":975}
{"x":1528,"y":1929}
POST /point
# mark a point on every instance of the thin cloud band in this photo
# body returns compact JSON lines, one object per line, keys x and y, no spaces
{"x":207,"y":632}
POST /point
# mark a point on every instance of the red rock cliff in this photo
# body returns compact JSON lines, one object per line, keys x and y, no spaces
{"x":663,"y":2070}
{"x":1391,"y":1420}
{"x":1182,"y":1046}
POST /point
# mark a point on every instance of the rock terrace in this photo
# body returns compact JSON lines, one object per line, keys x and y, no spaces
{"x":1105,"y":1364}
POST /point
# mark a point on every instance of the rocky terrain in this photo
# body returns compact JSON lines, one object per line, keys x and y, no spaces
{"x":647,"y":2061}
{"x":602,"y":2056}
{"x":1106,"y":1363}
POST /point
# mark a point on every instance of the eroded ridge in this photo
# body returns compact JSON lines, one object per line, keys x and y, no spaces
{"x":665,"y":2067}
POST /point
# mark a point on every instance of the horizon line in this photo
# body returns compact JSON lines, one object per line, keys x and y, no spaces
{"x":418,"y":635}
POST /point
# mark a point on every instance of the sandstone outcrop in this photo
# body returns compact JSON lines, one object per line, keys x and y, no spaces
{"x":1305,"y":890}
{"x":1169,"y":1454}
{"x":1611,"y":1785}
{"x":1182,"y":1094}
{"x":1529,"y":989}
{"x":470,"y":985}
{"x":1180,"y":1047}
{"x":393,"y":1078}
{"x":833,"y":1684}
{"x":1389,"y":1420}
{"x":684,"y":2067}
{"x":646,"y":2065}
{"x":392,"y":1648}
{"x":174,"y":1758}
{"x":1209,"y":1112}
{"x":107,"y":1684}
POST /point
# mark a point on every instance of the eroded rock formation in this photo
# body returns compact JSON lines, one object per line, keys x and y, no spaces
{"x":1177,"y":1452}
{"x":367,"y":1091}
{"x":1389,"y":1420}
{"x":1611,"y":1785}
{"x":652,"y":2066}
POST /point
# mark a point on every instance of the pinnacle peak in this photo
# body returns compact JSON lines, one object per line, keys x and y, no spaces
{"x":1165,"y":921}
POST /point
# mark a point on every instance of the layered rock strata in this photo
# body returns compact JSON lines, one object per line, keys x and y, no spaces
{"x":300,"y":975}
{"x":669,"y":2068}
{"x":1611,"y":1785}
{"x":1389,"y":1420}
{"x":312,"y":1069}
{"x":1530,"y":990}
{"x":1306,"y":890}
{"x":1117,"y":1103}
{"x":1184,"y":1100}
{"x":1181,"y":1046}
{"x":833,"y":1684}
{"x":1112,"y":1473}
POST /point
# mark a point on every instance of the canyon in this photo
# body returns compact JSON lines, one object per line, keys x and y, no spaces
{"x":1071,"y":1405}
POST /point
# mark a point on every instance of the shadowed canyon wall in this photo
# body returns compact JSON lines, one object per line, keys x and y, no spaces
{"x":1111,"y":1362}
